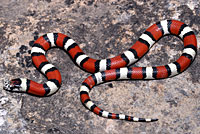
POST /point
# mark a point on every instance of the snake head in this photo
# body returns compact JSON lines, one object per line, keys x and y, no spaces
{"x":12,"y":85}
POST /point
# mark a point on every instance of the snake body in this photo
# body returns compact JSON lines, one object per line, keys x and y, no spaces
{"x":107,"y":69}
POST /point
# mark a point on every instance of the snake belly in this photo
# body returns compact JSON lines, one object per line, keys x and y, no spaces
{"x":107,"y":69}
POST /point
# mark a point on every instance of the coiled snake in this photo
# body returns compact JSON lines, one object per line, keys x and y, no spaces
{"x":107,"y":69}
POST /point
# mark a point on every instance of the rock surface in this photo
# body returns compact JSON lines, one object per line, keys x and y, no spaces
{"x":103,"y":29}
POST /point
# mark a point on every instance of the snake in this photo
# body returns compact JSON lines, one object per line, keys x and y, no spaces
{"x":104,"y":70}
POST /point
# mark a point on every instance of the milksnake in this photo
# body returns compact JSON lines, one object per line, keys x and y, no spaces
{"x":107,"y":69}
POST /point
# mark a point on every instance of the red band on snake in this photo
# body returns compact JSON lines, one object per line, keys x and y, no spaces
{"x":107,"y":69}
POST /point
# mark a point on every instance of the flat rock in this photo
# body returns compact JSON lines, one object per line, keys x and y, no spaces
{"x":103,"y":29}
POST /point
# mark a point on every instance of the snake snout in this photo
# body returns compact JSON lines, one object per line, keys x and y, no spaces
{"x":6,"y":85}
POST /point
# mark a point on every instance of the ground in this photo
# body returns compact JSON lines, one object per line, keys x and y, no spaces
{"x":103,"y":29}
